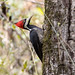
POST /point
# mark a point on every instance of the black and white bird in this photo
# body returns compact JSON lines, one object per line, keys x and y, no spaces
{"x":36,"y":35}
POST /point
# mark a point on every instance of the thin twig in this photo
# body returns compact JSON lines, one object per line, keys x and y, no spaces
{"x":31,"y":50}
{"x":6,"y":18}
{"x":36,"y":2}
{"x":67,"y":53}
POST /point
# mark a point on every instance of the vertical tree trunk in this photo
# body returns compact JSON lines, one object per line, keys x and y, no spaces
{"x":59,"y":37}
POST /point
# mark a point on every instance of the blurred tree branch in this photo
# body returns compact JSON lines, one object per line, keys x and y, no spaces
{"x":36,"y":2}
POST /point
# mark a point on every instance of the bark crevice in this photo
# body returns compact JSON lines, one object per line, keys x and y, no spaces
{"x":69,"y":19}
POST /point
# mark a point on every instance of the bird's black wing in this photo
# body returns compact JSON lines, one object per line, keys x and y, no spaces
{"x":36,"y":43}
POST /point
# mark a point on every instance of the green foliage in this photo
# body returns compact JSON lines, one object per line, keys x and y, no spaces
{"x":18,"y":37}
{"x":3,"y":71}
{"x":13,"y":26}
{"x":59,"y":24}
{"x":40,"y":10}
{"x":1,"y":44}
{"x":4,"y":0}
{"x":24,"y":66}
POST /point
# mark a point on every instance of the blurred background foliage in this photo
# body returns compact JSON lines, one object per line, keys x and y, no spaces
{"x":16,"y":56}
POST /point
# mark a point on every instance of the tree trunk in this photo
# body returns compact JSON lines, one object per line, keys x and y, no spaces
{"x":59,"y":38}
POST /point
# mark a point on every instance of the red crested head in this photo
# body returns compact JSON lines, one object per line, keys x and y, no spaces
{"x":20,"y":24}
{"x":24,"y":23}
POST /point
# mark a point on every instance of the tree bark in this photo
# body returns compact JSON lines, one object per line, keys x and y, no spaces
{"x":59,"y":37}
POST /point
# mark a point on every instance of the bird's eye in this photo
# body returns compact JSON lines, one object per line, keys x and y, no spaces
{"x":24,"y":21}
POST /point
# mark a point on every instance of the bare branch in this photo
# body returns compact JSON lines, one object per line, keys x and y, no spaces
{"x":36,"y":2}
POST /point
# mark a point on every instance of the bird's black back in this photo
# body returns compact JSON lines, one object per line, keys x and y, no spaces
{"x":34,"y":38}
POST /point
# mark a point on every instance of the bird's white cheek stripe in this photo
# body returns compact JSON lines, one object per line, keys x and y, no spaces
{"x":25,"y":25}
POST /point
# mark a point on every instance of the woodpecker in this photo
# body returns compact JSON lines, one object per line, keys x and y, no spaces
{"x":36,"y":35}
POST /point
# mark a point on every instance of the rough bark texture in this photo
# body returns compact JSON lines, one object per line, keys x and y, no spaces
{"x":59,"y":50}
